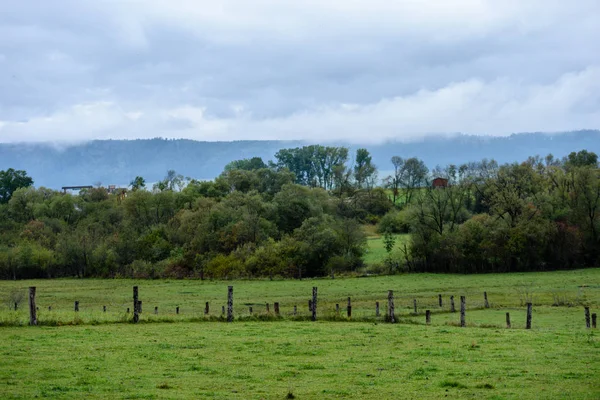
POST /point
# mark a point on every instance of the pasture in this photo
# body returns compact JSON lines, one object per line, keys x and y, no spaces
{"x":191,"y":355}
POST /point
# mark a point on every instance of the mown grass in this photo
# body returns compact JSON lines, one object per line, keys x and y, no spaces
{"x":255,"y":360}
{"x":263,"y":356}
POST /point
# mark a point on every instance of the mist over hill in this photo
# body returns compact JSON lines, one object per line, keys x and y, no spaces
{"x":119,"y":161}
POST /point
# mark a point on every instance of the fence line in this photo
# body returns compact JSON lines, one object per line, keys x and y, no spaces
{"x":590,"y":318}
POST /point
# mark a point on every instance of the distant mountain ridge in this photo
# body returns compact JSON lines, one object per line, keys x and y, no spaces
{"x":119,"y":161}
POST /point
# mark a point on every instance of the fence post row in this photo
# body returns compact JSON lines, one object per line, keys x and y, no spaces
{"x":32,"y":307}
{"x":463,"y":307}
{"x":391,"y":315}
{"x":136,"y":316}
{"x":230,"y":304}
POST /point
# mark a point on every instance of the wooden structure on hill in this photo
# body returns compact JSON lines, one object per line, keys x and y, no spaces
{"x":439,"y":183}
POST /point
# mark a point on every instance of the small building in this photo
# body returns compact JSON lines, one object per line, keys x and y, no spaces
{"x":77,"y":188}
{"x":439,"y":183}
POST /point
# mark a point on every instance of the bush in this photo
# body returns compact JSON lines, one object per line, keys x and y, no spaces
{"x":394,"y":222}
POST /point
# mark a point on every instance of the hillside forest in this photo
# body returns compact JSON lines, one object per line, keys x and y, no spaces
{"x":304,"y":215}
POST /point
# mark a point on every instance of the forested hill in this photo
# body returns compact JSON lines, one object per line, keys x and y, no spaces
{"x":119,"y":161}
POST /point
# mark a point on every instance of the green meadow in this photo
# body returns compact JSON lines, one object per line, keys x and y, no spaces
{"x":96,"y":354}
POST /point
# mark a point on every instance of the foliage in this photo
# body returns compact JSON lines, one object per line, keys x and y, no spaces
{"x":10,"y":181}
{"x":302,"y":217}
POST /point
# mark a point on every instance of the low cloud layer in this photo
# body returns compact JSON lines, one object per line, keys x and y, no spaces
{"x":365,"y":72}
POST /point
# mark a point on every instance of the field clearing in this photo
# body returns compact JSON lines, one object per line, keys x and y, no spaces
{"x":191,"y":356}
{"x":376,"y":249}
{"x":262,"y":360}
{"x":569,"y":288}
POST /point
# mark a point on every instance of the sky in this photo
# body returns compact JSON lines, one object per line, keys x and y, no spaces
{"x":318,"y":70}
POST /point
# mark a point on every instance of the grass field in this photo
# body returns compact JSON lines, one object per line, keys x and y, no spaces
{"x":376,"y":250}
{"x":188,"y":356}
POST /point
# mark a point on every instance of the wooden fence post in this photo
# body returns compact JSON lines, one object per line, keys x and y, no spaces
{"x":486,"y":304}
{"x":295,"y":309}
{"x":32,"y":307}
{"x":440,"y":300}
{"x":268,"y":308}
{"x":250,"y":310}
{"x":314,"y":303}
{"x":349,"y":308}
{"x":16,"y":306}
{"x":377,"y":309}
{"x":76,"y":305}
{"x":206,"y":308}
{"x":156,"y":310}
{"x":452,"y":308}
{"x":594,"y":320}
{"x":587,"y":317}
{"x":104,"y":308}
{"x":230,"y":304}
{"x":391,"y":315}
{"x":276,"y":308}
{"x":127,"y":310}
{"x":508,"y":320}
{"x":223,"y":310}
{"x":49,"y":308}
{"x":463,"y":307}
{"x":177,"y":310}
{"x":427,"y":317}
{"x":136,"y":316}
{"x":529,"y":310}
{"x":337,"y":309}
{"x":415,"y":305}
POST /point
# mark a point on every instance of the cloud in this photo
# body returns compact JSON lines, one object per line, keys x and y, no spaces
{"x":314,"y":70}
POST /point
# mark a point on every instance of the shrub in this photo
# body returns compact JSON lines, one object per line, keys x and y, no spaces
{"x":394,"y":222}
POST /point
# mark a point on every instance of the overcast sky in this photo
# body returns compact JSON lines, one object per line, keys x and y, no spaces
{"x":74,"y":70}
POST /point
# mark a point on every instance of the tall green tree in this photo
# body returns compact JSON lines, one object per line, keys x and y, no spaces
{"x":365,"y":173}
{"x":11,"y":180}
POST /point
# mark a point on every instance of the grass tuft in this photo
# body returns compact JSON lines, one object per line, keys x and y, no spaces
{"x":452,"y":384}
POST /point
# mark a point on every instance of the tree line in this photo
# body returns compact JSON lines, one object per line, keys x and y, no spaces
{"x":303,"y":214}
{"x":541,"y":214}
{"x":254,"y":220}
